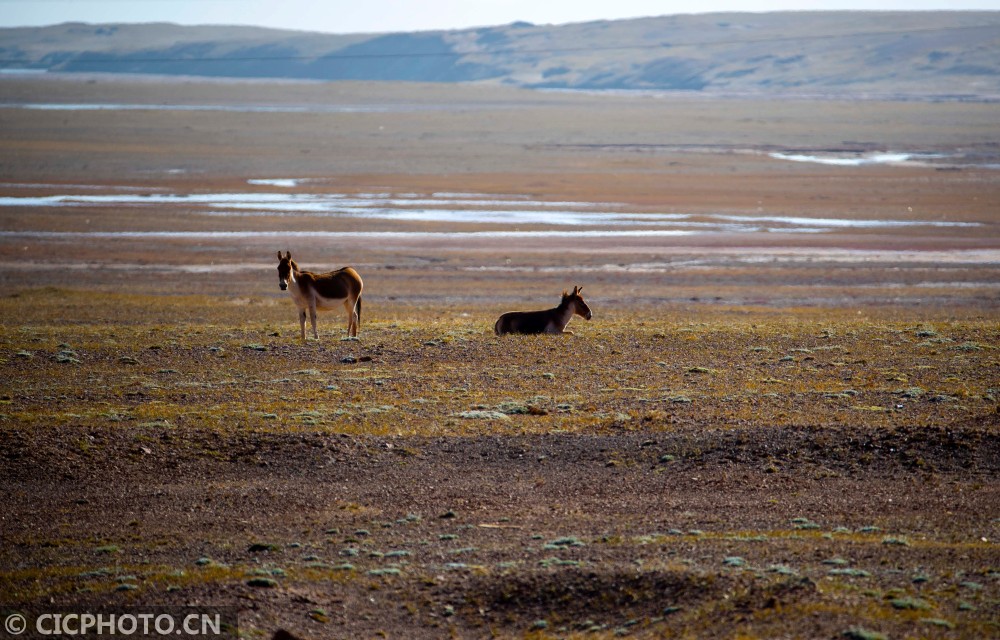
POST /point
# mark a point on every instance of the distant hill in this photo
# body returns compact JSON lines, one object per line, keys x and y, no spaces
{"x":909,"y":53}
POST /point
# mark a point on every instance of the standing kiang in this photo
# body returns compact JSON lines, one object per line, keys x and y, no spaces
{"x":314,"y":292}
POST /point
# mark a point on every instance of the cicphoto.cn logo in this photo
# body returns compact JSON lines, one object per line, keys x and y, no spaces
{"x":177,"y":622}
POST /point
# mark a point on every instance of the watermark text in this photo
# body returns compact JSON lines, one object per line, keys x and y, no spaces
{"x":127,"y":622}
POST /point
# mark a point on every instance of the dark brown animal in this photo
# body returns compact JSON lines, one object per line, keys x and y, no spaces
{"x":546,"y":321}
{"x":314,"y":292}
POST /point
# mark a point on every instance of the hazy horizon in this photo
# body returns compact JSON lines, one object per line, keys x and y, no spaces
{"x":379,"y":16}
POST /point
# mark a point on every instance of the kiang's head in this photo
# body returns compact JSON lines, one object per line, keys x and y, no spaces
{"x":576,"y":301}
{"x":284,"y":269}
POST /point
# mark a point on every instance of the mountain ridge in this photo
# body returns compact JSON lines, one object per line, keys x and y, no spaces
{"x":911,"y":52}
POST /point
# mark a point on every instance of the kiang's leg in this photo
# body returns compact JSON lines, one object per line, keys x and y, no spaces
{"x":352,"y":317}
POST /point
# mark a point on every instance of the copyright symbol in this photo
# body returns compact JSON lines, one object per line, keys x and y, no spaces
{"x":15,"y":624}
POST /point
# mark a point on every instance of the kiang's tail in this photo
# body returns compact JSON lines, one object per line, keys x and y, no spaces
{"x":357,"y":310}
{"x":498,"y":327}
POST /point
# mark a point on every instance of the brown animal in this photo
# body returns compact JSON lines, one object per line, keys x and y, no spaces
{"x":314,"y":292}
{"x":547,"y":321}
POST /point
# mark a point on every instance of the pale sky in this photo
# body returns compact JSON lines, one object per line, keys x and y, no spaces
{"x":354,"y":16}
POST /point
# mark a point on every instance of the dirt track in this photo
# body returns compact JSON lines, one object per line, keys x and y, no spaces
{"x":497,"y":533}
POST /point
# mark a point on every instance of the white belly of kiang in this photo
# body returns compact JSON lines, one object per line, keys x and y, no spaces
{"x":329,"y":303}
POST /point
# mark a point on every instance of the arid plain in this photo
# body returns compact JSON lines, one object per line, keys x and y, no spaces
{"x":782,"y":420}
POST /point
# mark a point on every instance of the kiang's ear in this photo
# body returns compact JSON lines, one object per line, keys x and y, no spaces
{"x":279,"y":255}
{"x":288,"y":255}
